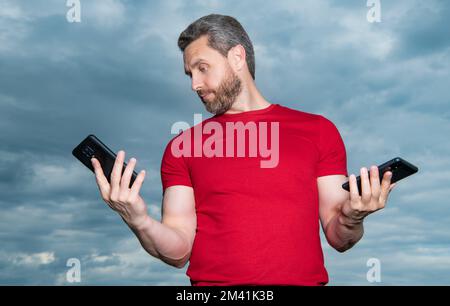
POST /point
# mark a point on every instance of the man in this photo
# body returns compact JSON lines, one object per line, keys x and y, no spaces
{"x":236,"y":222}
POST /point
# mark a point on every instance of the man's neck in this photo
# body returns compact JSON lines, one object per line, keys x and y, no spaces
{"x":248,"y":100}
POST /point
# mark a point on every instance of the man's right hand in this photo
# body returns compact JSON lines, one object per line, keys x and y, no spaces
{"x":124,"y":200}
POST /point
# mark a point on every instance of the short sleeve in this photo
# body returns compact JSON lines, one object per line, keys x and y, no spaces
{"x":332,"y":156}
{"x":174,"y":170}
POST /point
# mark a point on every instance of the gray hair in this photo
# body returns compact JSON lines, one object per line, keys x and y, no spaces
{"x":223,"y":32}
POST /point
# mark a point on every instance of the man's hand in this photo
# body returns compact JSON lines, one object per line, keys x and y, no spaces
{"x":125,"y":201}
{"x":373,"y":196}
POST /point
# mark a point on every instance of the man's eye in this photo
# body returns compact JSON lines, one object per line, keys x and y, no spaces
{"x":203,"y":69}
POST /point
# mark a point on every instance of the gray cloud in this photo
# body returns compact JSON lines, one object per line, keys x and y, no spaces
{"x":119,"y":74}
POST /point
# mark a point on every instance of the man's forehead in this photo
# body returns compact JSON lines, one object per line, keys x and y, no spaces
{"x":196,"y":45}
{"x":191,"y":58}
{"x":197,"y":51}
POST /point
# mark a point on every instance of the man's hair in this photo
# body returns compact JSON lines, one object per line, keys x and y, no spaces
{"x":223,"y":32}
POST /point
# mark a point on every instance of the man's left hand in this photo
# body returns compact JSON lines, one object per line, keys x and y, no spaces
{"x":373,"y":196}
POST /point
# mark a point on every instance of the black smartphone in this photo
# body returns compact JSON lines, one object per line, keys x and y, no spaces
{"x":90,"y":147}
{"x":399,"y":167}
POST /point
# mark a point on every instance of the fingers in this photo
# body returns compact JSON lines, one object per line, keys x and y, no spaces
{"x":366,"y":192}
{"x":385,"y":186}
{"x":116,"y":174}
{"x":354,"y":194}
{"x":102,"y":182}
{"x":392,"y":186}
{"x":375,"y":181}
{"x":125,"y":182}
{"x":137,"y":185}
{"x":119,"y":189}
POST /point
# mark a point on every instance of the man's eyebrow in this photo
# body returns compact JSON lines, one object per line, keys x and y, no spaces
{"x":196,"y":62}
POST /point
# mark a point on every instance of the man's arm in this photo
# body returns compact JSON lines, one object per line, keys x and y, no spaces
{"x":170,"y":240}
{"x":342,"y":213}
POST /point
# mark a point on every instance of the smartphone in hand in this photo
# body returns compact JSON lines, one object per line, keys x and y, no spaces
{"x":93,"y":147}
{"x":399,"y":167}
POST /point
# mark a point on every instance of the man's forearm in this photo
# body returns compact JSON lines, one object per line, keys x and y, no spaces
{"x":163,"y":242}
{"x":343,"y":233}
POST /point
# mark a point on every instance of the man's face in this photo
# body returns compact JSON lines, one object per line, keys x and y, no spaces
{"x":212,"y":77}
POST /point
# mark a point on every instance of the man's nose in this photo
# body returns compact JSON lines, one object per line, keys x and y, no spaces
{"x":196,"y":83}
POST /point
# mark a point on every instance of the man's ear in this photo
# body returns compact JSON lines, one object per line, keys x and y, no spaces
{"x":237,"y":58}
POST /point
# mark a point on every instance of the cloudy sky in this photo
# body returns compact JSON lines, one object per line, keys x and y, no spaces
{"x":118,"y":74}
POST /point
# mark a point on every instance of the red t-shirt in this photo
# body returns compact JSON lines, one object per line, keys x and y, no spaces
{"x":259,"y":225}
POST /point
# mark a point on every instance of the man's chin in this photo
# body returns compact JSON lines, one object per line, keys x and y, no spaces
{"x":213,"y":106}
{"x":209,"y":108}
{"x":215,"y":111}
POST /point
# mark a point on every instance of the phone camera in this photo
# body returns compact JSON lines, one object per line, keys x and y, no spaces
{"x":88,"y":151}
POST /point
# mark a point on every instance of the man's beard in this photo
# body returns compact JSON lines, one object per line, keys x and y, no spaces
{"x":225,"y":95}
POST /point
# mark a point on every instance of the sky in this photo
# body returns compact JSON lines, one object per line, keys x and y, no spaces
{"x":118,"y":74}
